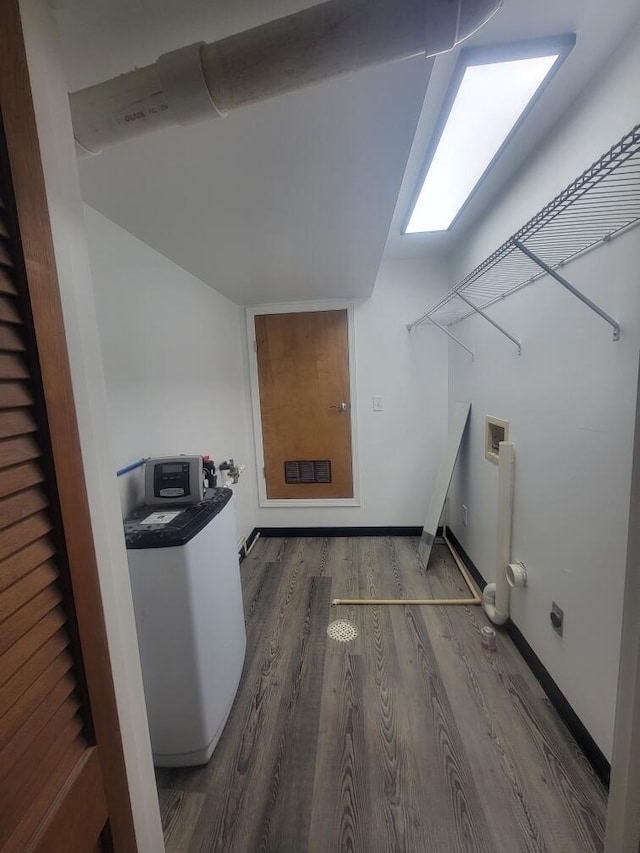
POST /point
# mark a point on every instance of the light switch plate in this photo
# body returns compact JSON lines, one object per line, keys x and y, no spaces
{"x":378,"y":405}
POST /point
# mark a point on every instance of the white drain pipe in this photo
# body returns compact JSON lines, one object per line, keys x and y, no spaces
{"x":204,"y":81}
{"x":496,"y":596}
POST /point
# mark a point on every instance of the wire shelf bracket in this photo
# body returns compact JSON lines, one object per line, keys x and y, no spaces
{"x":570,"y":288}
{"x":493,"y":322}
{"x":599,"y":205}
{"x":448,"y":334}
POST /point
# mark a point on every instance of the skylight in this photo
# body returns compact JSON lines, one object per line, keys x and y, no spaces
{"x":488,"y":99}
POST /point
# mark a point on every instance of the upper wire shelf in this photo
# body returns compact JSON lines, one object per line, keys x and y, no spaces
{"x":601,"y":203}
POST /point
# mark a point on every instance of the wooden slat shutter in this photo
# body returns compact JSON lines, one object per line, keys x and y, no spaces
{"x":49,"y":766}
{"x":63,"y":781}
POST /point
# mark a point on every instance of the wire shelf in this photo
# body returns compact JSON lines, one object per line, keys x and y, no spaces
{"x":601,"y":203}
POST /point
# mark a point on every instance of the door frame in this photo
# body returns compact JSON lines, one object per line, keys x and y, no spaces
{"x":296,"y":308}
{"x":623,"y":822}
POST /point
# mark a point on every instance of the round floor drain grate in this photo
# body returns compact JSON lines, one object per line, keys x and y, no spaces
{"x":342,"y":630}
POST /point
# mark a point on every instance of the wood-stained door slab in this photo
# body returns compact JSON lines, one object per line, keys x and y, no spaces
{"x":305,"y":404}
{"x":63,"y":780}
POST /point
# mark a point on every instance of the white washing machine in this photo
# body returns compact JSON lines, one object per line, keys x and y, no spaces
{"x":187,"y":597}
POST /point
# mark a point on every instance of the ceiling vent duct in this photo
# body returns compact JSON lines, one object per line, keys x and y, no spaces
{"x":203,"y":81}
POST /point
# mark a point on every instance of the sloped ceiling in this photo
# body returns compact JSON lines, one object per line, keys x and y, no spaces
{"x":600,"y":31}
{"x":285,"y":200}
{"x":293,"y":199}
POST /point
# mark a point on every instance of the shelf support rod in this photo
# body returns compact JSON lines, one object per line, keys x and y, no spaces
{"x":489,"y":320}
{"x":453,"y":338}
{"x":570,"y":288}
{"x":418,"y":322}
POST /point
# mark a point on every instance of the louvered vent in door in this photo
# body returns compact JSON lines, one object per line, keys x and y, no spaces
{"x":45,"y":730}
{"x":307,"y":471}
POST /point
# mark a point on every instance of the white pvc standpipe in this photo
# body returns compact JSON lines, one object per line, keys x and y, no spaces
{"x":496,"y":596}
{"x":202,"y":81}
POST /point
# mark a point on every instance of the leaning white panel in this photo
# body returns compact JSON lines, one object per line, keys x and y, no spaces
{"x":443,"y":480}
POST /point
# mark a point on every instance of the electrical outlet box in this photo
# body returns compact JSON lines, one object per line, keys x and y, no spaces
{"x":465,"y":515}
{"x":378,"y":404}
{"x":557,"y":618}
{"x":496,"y":430}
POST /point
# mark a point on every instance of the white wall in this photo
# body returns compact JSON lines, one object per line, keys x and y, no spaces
{"x":174,"y":357}
{"x":65,"y":208}
{"x":399,"y":447}
{"x":570,"y":401}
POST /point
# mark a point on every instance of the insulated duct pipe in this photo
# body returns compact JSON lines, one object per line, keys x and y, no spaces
{"x":203,"y":81}
{"x":496,"y":596}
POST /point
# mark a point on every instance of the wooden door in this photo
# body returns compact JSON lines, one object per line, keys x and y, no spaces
{"x":63,"y":784}
{"x":305,"y":404}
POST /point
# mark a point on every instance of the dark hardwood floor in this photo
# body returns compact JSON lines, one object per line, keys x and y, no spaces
{"x":410,"y":738}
